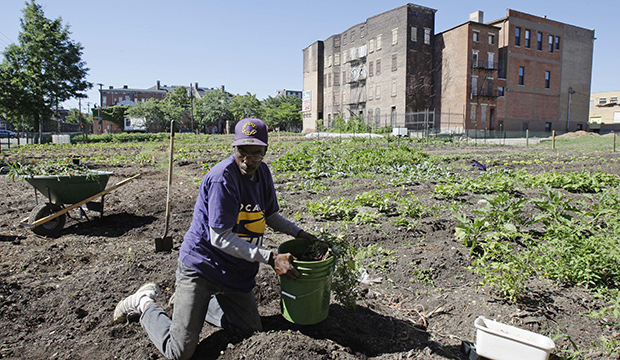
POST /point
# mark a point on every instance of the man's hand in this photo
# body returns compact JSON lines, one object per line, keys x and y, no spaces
{"x":283,"y":265}
{"x":304,"y":235}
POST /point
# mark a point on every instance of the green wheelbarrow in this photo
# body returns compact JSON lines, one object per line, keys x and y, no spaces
{"x":65,"y":193}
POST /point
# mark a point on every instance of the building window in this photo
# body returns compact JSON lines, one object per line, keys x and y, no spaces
{"x":472,"y":113}
{"x":394,"y":62}
{"x":474,"y":58}
{"x":613,"y":100}
{"x":378,"y":92}
{"x":427,"y":36}
{"x":370,"y":117}
{"x":517,"y":36}
{"x":394,"y":36}
{"x":602,"y":101}
{"x":414,"y":34}
{"x":393,"y":87}
{"x":336,"y":59}
{"x":539,"y":40}
{"x":547,"y":79}
{"x":528,"y":34}
{"x":557,"y":43}
{"x":352,"y":36}
{"x":491,"y":39}
{"x":336,"y":79}
{"x":476,"y":36}
{"x":379,"y":42}
{"x":474,"y":85}
{"x":370,"y":92}
{"x":377,"y":116}
{"x":371,"y":46}
{"x":344,"y":77}
{"x":490,"y":60}
{"x":550,"y":43}
{"x":521,"y":75}
{"x":371,"y":68}
{"x":548,"y":127}
{"x":500,"y":91}
{"x":329,"y":80}
{"x":378,"y":67}
{"x":344,"y":38}
{"x":483,"y":113}
{"x":362,"y":31}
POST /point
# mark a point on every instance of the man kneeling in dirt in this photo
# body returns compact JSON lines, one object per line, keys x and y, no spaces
{"x":221,"y":252}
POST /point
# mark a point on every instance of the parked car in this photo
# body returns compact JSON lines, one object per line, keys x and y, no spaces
{"x":7,"y":134}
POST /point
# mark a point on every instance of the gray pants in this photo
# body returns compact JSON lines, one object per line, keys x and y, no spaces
{"x":197,"y":299}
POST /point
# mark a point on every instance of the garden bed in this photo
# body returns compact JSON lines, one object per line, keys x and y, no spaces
{"x":419,"y":295}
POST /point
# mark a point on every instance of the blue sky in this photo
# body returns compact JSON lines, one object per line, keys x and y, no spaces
{"x":256,"y":46}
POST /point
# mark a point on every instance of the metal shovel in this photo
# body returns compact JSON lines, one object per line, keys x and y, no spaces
{"x":164,"y":243}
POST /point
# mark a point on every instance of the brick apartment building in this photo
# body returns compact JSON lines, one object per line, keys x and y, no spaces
{"x":521,"y":72}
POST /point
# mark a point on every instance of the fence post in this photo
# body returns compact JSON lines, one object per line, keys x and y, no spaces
{"x":527,"y":138}
{"x":614,"y":140}
{"x":553,"y":142}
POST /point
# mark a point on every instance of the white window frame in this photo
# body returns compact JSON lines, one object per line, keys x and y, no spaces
{"x":394,"y":36}
{"x":427,"y":36}
{"x":475,"y":35}
{"x":472,"y":112}
{"x":483,"y":113}
{"x":414,"y":34}
{"x":474,"y":85}
{"x":379,"y":43}
{"x":371,"y":46}
{"x":394,"y":88}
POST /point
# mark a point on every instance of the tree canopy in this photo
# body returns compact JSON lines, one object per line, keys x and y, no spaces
{"x":44,"y":69}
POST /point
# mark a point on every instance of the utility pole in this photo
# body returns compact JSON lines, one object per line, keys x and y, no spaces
{"x":191,"y":99}
{"x":100,"y":123}
{"x":570,"y":93}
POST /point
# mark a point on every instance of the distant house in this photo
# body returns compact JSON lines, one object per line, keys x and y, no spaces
{"x":131,"y":96}
{"x":604,"y":112}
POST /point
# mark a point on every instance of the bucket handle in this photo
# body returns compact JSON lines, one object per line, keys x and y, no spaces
{"x":295,"y":297}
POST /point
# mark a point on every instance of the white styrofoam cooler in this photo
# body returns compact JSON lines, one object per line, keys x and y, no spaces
{"x":497,"y":341}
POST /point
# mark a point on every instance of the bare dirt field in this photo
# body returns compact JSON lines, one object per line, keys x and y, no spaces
{"x":57,"y":295}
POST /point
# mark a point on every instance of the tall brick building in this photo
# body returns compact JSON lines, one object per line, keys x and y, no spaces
{"x":521,"y":72}
{"x":380,"y":69}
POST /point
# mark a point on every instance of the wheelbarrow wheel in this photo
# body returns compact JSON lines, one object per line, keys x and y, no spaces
{"x":51,"y":227}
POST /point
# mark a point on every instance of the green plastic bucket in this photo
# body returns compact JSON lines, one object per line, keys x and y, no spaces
{"x":305,"y":300}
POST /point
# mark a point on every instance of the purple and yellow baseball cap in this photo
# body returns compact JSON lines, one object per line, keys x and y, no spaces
{"x":250,"y":131}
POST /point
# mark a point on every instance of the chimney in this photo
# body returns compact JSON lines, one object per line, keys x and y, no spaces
{"x":124,"y":86}
{"x":111,"y":87}
{"x":158,"y":85}
{"x":196,"y":86}
{"x":477,"y":16}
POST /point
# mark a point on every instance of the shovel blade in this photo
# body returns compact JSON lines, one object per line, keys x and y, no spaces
{"x":163,"y":244}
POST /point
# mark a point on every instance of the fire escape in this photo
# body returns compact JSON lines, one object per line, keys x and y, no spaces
{"x":487,"y":72}
{"x":356,"y":81}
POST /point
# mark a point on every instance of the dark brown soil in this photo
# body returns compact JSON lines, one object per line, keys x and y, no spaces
{"x":57,"y":294}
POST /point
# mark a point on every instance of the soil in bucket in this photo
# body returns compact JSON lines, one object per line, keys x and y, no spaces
{"x":305,"y":300}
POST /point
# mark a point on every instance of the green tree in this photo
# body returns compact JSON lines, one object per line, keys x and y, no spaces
{"x":153,"y":111}
{"x":282,"y":112}
{"x":45,"y":68}
{"x":212,"y":109}
{"x":243,"y":106}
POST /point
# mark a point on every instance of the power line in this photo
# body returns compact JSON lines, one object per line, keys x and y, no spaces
{"x":8,"y":38}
